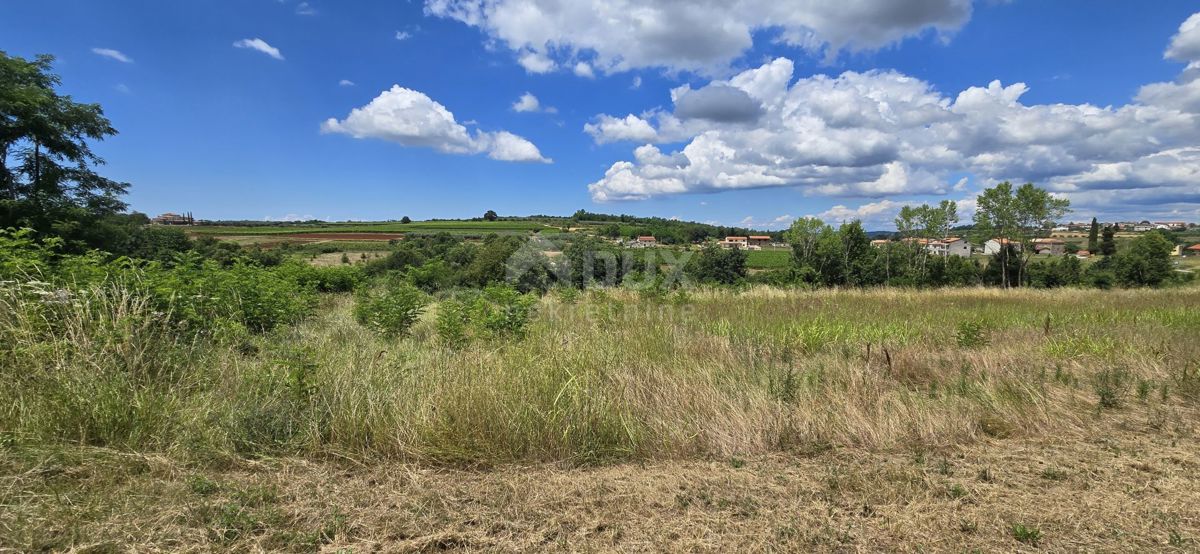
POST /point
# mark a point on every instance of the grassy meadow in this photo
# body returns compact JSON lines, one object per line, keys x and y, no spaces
{"x":882,"y":384}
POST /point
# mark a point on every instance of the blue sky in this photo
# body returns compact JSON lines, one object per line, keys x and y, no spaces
{"x":1107,"y":115}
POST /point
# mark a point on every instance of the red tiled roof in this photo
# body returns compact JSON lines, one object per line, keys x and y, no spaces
{"x":1194,"y":247}
{"x":759,"y":237}
{"x":646,"y":239}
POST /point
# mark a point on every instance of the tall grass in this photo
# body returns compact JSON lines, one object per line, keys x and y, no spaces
{"x":606,"y":376}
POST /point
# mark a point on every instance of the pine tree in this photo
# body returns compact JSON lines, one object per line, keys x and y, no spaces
{"x":1108,"y":245}
{"x":1092,"y":238}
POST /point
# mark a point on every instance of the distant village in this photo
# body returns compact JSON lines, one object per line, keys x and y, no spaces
{"x":1057,"y":244}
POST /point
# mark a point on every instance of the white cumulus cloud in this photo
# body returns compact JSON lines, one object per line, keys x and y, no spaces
{"x":530,"y":103}
{"x":410,"y":118}
{"x":259,"y":45}
{"x":878,"y":134}
{"x":703,"y":35}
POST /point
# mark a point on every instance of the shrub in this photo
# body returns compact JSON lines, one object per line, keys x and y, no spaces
{"x":453,"y":321}
{"x":392,"y":311}
{"x":323,"y":279}
{"x":1111,"y":386}
{"x":499,"y":311}
{"x":970,"y":334}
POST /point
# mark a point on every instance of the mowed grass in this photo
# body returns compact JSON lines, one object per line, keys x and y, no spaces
{"x":427,"y":227}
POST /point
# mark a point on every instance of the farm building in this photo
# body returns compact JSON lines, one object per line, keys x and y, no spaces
{"x":174,"y":219}
{"x":735,"y":242}
{"x":758,"y":240}
{"x":879,"y":243}
{"x":644,"y":242}
{"x":1051,"y":246}
{"x":1083,"y":254}
{"x":1193,"y":250}
{"x":993,"y":246}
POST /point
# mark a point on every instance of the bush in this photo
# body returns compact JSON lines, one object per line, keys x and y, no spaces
{"x":1112,"y":386}
{"x":970,"y":334}
{"x":323,"y":279}
{"x":393,"y":311}
{"x":499,"y":311}
{"x":719,"y":265}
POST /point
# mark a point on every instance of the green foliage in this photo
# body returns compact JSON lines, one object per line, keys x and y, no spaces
{"x":1026,"y":534}
{"x":1112,"y":387}
{"x":1108,"y":246}
{"x":496,"y":312}
{"x":1145,"y":263}
{"x":391,"y":311}
{"x":1064,"y":271}
{"x":1093,"y":243}
{"x":971,"y":334}
{"x":719,"y":265}
{"x":46,"y":178}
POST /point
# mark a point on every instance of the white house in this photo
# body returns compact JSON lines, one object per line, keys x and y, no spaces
{"x":993,"y":246}
{"x":735,"y":242}
{"x":955,"y":246}
{"x":949,"y":246}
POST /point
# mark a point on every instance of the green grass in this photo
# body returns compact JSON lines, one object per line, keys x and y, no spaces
{"x":610,"y":377}
{"x":768,"y":259}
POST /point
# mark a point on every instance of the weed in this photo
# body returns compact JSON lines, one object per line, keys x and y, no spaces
{"x":971,"y":334}
{"x":1053,"y":474}
{"x":1026,"y":534}
{"x":202,"y":485}
{"x":956,"y":491}
{"x":1143,"y":389}
{"x":1111,"y":386}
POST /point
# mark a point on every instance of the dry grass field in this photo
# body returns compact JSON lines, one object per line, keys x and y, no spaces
{"x":950,"y":420}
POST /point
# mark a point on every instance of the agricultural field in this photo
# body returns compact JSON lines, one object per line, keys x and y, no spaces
{"x":710,"y":419}
{"x":768,"y":259}
{"x":458,"y":227}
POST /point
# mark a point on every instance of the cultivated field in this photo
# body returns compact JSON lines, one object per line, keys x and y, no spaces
{"x":944,"y":420}
{"x":417,"y":227}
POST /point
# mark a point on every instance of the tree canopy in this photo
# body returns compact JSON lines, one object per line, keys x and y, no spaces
{"x":47,"y":177}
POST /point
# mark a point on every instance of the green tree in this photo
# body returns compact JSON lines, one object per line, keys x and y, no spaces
{"x":47,"y":181}
{"x":490,"y":215}
{"x":1146,"y":263}
{"x":803,"y":237}
{"x":612,"y":231}
{"x":1108,"y":245}
{"x":1019,"y":215}
{"x":405,"y":220}
{"x":719,"y":265}
{"x":1093,"y":243}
